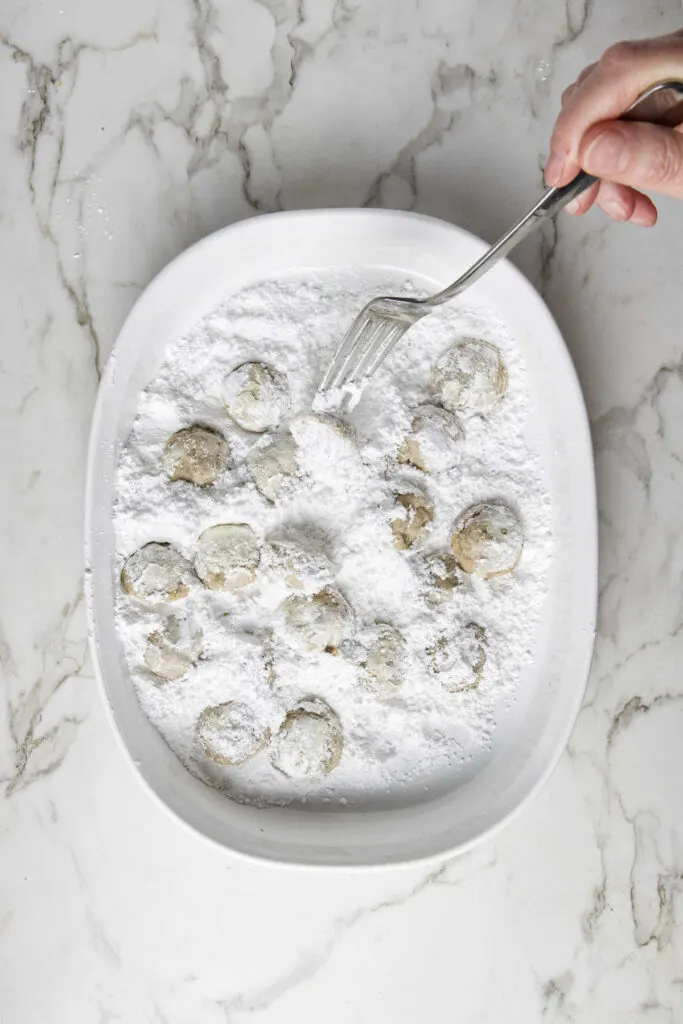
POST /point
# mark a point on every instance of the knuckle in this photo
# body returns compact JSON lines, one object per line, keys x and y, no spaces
{"x":585,"y":73}
{"x":620,"y":55}
{"x":567,"y":94}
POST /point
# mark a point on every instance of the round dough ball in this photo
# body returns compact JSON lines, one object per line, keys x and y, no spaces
{"x":164,"y":660}
{"x":171,"y":651}
{"x":227,"y":556}
{"x":157,"y":572}
{"x":487,"y":539}
{"x":195,"y":454}
{"x":459,"y":659}
{"x":327,"y":451}
{"x":317,"y":622}
{"x":439,"y":577}
{"x":310,"y":741}
{"x":382,"y":665}
{"x":256,"y":396}
{"x":414,"y":512}
{"x":432,"y":444}
{"x":470,"y":376}
{"x":299,"y":556}
{"x":230,"y":733}
{"x":272,"y":464}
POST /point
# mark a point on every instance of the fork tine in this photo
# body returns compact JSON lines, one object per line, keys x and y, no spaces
{"x":335,"y":371}
{"x":394,"y":329}
{"x":368,"y":338}
{"x":375,"y":354}
{"x":372,"y":336}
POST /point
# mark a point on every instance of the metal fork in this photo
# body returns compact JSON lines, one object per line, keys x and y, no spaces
{"x":382,"y":323}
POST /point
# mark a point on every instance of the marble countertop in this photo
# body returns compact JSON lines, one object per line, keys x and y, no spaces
{"x":130,"y":130}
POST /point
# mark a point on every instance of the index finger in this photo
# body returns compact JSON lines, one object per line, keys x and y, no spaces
{"x":620,"y":76}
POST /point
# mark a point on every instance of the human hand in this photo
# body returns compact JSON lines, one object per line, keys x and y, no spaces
{"x":627,"y":156}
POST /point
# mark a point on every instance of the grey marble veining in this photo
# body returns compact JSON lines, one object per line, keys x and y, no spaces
{"x":129,"y":131}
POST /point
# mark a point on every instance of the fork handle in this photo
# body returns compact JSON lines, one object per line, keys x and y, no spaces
{"x":660,"y":104}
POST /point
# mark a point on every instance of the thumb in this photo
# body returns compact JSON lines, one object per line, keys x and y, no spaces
{"x":644,"y":156}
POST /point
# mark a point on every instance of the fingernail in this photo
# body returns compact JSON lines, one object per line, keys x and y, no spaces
{"x":643,"y":220}
{"x":553,"y":169}
{"x":573,"y":207}
{"x":606,"y":154}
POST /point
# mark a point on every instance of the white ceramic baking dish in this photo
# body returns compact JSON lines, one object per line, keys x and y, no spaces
{"x":532,"y":737}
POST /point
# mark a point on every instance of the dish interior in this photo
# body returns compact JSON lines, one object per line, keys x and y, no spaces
{"x":457,"y":808}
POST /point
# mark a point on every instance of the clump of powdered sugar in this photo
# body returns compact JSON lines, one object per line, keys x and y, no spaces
{"x":329,"y":526}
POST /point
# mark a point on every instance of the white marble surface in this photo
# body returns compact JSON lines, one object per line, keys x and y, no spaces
{"x":131,"y":129}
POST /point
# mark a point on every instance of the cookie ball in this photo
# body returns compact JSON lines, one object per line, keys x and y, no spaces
{"x":459,"y":658}
{"x":195,"y":454}
{"x":256,"y":396}
{"x":273,"y":464}
{"x":383,"y":662}
{"x":227,"y":556}
{"x":172,"y":650}
{"x":411,"y":518}
{"x":230,"y":733}
{"x":157,"y":572}
{"x":310,"y":741}
{"x":432,"y":444}
{"x":316,"y":622}
{"x":470,"y":377}
{"x":487,"y":539}
{"x":301,"y":557}
{"x":439,"y":576}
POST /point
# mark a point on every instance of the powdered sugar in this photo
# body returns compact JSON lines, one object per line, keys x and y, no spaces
{"x":330,"y":526}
